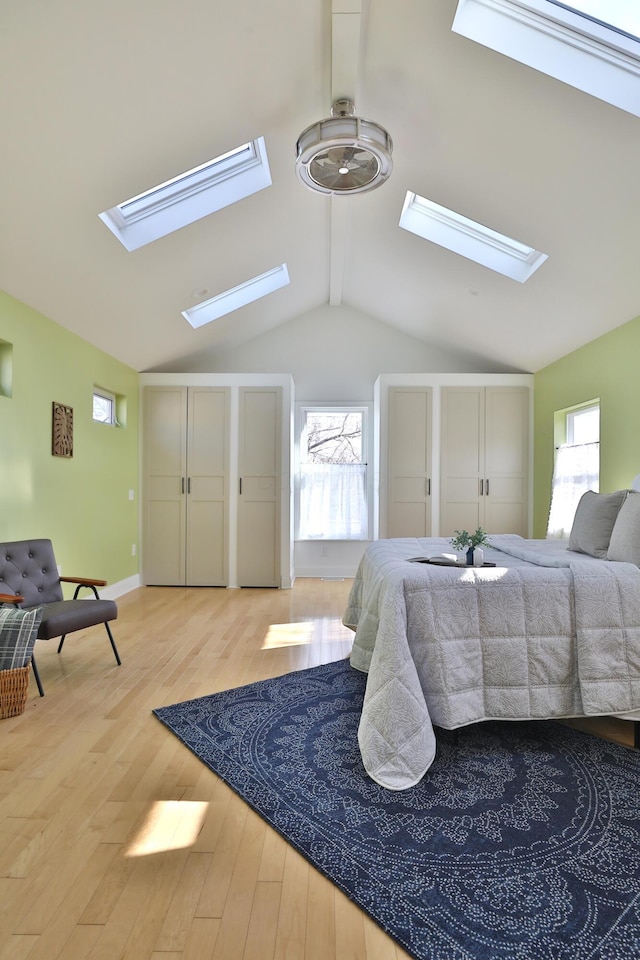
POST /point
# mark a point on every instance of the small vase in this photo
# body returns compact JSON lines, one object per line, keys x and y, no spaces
{"x":470,"y":557}
{"x":478,"y":556}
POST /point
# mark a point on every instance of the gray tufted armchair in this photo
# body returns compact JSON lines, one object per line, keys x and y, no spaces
{"x":29,"y":578}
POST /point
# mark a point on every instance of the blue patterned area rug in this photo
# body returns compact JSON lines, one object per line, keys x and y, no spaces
{"x":522,"y":842}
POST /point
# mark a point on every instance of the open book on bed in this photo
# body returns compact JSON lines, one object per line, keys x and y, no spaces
{"x":446,"y":560}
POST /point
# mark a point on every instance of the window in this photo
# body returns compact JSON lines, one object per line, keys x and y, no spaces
{"x":471,"y":240}
{"x":333,"y":474}
{"x":583,"y":425}
{"x":577,"y":463}
{"x":104,"y":406}
{"x":190,"y":196}
{"x":620,"y":15}
{"x":590,"y":44}
{"x":237,"y":297}
{"x":6,"y":368}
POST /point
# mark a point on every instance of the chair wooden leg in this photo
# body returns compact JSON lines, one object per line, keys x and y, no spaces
{"x":37,"y":675}
{"x":113,"y":645}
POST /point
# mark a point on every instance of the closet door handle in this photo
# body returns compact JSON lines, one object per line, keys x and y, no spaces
{"x":429,"y":487}
{"x":481,"y":487}
{"x":183,"y":484}
{"x":487,"y":488}
{"x":189,"y":485}
{"x":241,"y":485}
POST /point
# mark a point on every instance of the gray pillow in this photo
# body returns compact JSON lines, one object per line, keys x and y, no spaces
{"x":594,"y":521}
{"x":625,"y":538}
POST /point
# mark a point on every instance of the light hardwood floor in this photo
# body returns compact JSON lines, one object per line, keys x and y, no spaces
{"x":116,"y":842}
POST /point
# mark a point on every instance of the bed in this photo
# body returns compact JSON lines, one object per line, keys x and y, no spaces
{"x":550,"y":631}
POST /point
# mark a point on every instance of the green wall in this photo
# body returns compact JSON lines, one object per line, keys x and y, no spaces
{"x":606,"y":368}
{"x":80,"y":503}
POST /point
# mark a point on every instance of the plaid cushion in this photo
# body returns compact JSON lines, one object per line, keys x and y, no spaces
{"x":18,"y":631}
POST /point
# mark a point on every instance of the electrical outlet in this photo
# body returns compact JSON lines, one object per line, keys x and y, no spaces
{"x":133,"y":549}
{"x":131,"y":495}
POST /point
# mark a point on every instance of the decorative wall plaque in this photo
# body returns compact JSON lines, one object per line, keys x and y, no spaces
{"x":62,"y":431}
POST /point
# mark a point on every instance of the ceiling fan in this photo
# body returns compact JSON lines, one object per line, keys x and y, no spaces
{"x":344,"y":154}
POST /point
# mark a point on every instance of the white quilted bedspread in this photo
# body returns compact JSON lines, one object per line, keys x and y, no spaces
{"x":547,"y":633}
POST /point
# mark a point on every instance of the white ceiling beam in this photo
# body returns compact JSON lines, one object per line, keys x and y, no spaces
{"x":339,"y":245}
{"x":345,"y":48}
{"x":346,"y":30}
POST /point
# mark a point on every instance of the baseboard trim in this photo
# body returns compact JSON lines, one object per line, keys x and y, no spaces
{"x":319,"y":571}
{"x":115,"y":590}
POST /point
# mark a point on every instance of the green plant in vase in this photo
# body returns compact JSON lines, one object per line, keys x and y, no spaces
{"x":467,"y":542}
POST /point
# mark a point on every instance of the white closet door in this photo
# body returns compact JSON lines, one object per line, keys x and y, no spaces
{"x":409,"y":504}
{"x":165,"y":457}
{"x":207,"y":482}
{"x":186,"y":444}
{"x":485,"y":443}
{"x":462,"y":456}
{"x":259,"y":492}
{"x":506,"y":460}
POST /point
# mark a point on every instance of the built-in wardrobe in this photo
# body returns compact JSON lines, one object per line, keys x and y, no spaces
{"x":216,"y":480}
{"x":454,"y":453}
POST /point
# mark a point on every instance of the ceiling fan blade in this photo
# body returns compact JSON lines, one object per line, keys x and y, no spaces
{"x":337,"y":155}
{"x":329,"y":177}
{"x":352,"y":180}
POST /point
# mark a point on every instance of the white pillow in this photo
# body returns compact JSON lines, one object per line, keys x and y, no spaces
{"x":594,"y":521}
{"x":625,"y":538}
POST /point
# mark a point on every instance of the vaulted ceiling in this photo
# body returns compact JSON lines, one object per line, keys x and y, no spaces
{"x":102,"y":101}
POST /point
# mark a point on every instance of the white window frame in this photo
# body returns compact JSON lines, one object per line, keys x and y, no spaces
{"x":302,"y":408}
{"x":111,"y":398}
{"x":572,"y":47}
{"x":578,"y":412}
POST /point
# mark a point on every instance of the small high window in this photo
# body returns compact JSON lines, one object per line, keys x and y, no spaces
{"x":104,"y":406}
{"x":6,"y":368}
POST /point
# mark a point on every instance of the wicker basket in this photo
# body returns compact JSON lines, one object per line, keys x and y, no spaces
{"x":13,"y":691}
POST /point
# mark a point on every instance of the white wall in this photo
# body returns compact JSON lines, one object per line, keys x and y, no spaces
{"x":335,"y":355}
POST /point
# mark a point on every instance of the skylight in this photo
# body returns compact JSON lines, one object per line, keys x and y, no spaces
{"x":237,"y":297}
{"x":471,"y":240}
{"x":622,"y":15}
{"x":590,"y":44}
{"x":190,"y":196}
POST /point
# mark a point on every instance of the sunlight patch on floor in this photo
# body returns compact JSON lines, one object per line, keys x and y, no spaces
{"x":169,"y":825}
{"x":327,"y":629}
{"x":288,"y":635}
